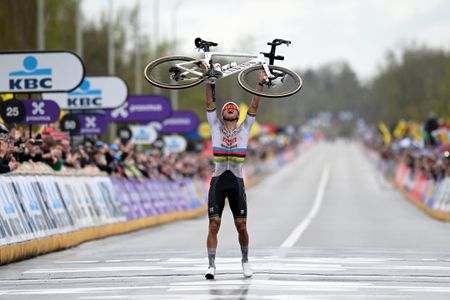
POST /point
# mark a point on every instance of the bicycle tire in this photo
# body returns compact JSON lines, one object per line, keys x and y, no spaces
{"x":157,"y":73}
{"x":248,"y":80}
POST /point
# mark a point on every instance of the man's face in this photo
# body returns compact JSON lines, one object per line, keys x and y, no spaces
{"x":230,"y":113}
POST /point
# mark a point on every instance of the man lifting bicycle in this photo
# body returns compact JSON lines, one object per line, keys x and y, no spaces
{"x":229,"y":142}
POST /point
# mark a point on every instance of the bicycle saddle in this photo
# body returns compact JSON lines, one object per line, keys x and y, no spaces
{"x":201,"y":44}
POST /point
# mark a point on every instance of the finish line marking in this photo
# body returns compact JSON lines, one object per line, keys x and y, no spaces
{"x":301,"y":227}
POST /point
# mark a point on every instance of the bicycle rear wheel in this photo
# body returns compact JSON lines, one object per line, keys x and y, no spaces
{"x":285,"y":84}
{"x":174,"y":72}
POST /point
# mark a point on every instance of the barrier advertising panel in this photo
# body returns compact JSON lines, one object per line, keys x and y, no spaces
{"x":36,"y":206}
{"x":180,"y":122}
{"x":94,"y":93}
{"x":41,"y":112}
{"x":143,"y":134}
{"x":142,"y":109}
{"x":94,"y":124}
{"x":44,"y":71}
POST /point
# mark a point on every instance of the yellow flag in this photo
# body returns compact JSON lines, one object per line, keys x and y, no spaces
{"x":256,"y":128}
{"x":400,"y":129}
{"x":416,"y":131}
{"x":243,"y":108}
{"x":386,"y":133}
{"x":443,"y":136}
{"x":6,"y":96}
{"x":62,"y":113}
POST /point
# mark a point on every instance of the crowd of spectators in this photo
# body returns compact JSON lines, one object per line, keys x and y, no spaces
{"x":429,"y":155}
{"x":118,"y":159}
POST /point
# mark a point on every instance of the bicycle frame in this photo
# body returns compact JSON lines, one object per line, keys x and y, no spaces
{"x":208,"y":56}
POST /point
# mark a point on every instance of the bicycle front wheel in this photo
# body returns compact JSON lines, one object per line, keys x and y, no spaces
{"x":285,"y":84}
{"x":174,"y":72}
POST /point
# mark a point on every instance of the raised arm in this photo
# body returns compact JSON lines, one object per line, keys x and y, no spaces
{"x":210,"y":105}
{"x":255,"y":100}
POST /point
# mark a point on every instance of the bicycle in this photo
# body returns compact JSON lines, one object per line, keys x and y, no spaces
{"x":179,"y":72}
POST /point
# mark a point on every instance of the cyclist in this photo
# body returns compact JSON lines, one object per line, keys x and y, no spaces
{"x":229,"y":143}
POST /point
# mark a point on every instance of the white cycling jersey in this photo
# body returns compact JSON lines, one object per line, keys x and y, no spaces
{"x":229,"y":149}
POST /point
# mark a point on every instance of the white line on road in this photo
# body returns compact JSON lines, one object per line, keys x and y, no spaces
{"x":301,"y":227}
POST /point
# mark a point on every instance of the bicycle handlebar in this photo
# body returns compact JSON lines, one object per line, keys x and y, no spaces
{"x":273,"y":45}
{"x":205,"y":45}
{"x":277,"y":42}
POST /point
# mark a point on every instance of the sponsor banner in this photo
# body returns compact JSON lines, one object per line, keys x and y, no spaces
{"x":92,"y":124}
{"x":41,"y":112}
{"x":40,"y":220}
{"x":111,"y":198}
{"x":86,"y":189}
{"x":400,"y":175}
{"x":190,"y":192}
{"x":94,"y":93}
{"x":171,"y":189}
{"x":166,"y":187}
{"x":180,"y":122}
{"x":428,"y":192}
{"x":76,"y":205}
{"x":137,"y":211}
{"x":55,"y":203}
{"x":141,"y":109}
{"x":123,"y":196}
{"x":174,"y":144}
{"x":13,"y":224}
{"x":158,"y":199}
{"x":35,"y":206}
{"x":418,"y":186}
{"x":441,"y":196}
{"x":100,"y":191}
{"x":45,"y":71}
{"x":143,"y":134}
{"x":146,"y":200}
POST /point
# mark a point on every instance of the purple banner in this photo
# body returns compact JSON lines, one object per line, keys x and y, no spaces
{"x":41,"y":112}
{"x":92,"y":124}
{"x":156,"y":196}
{"x":141,"y":109}
{"x":180,"y":122}
{"x":118,"y":184}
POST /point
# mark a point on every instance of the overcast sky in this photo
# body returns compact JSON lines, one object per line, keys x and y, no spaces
{"x":322,"y":31}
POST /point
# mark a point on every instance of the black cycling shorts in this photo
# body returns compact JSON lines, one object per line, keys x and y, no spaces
{"x":227,"y":185}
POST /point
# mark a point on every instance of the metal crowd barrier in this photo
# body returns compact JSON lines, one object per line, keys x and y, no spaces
{"x":43,"y":211}
{"x":432,"y":197}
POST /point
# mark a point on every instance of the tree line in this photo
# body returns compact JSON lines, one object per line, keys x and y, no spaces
{"x":412,"y":82}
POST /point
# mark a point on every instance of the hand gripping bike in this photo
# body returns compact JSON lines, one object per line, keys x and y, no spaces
{"x":179,"y":72}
